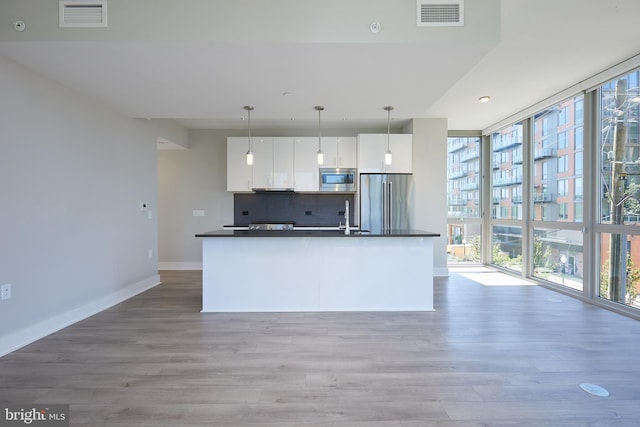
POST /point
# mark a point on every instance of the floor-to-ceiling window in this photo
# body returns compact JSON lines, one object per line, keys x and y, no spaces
{"x":464,"y":199}
{"x":507,"y":197}
{"x":618,"y":234}
{"x":562,"y":194}
{"x":557,"y":166}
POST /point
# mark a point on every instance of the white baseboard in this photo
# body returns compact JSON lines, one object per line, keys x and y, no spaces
{"x":60,"y":321}
{"x":441,"y":272}
{"x":179,"y":265}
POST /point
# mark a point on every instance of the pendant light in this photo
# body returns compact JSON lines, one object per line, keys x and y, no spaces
{"x":250,"y":152}
{"x":388,"y":157}
{"x":319,"y":108}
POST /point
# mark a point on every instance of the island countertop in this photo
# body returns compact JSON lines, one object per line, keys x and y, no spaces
{"x":316,"y":233}
{"x":316,"y":270}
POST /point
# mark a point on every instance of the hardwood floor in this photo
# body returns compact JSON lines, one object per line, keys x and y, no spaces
{"x":512,"y":354}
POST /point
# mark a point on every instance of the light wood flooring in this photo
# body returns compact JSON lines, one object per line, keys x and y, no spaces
{"x":502,"y":353}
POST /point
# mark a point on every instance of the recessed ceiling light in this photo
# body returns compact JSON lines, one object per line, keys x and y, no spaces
{"x":484,"y":99}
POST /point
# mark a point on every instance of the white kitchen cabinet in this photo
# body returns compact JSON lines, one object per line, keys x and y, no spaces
{"x":402,"y":149}
{"x":239,"y":174}
{"x":282,"y":163}
{"x":272,"y":162}
{"x":372,"y":147}
{"x":285,"y":162}
{"x":262,"y":162}
{"x":339,"y":152}
{"x":305,"y":164}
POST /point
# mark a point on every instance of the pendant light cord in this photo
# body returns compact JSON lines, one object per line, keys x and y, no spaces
{"x":249,"y":108}
{"x":249,"y":125}
{"x":388,"y":126}
{"x":319,"y":132}
{"x":319,"y":108}
{"x":388,"y":108}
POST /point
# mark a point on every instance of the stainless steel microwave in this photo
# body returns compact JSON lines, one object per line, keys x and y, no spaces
{"x":332,"y":179}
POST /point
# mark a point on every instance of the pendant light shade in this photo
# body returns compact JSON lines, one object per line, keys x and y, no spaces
{"x":320,"y":155}
{"x":388,"y":157}
{"x":249,"y":108}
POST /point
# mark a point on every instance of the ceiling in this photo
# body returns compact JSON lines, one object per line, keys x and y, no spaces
{"x":200,"y":62}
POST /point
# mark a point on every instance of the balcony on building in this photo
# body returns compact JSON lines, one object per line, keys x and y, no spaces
{"x":506,"y":145}
{"x":470,"y":154}
{"x":457,"y":145}
{"x":459,"y":172}
{"x":545,"y":153}
{"x":457,"y":202}
{"x":503,"y":182}
{"x":543,"y":198}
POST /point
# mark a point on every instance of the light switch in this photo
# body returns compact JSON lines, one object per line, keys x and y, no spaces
{"x":198,"y":213}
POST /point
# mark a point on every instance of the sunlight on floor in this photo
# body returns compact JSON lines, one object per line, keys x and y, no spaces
{"x":488,"y":277}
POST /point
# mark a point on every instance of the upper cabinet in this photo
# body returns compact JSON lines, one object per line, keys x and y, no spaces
{"x":238,"y":172}
{"x":272,"y":162}
{"x":339,"y":152}
{"x":372,"y":147}
{"x":291,"y":163}
{"x":283,"y":163}
{"x":305,"y":164}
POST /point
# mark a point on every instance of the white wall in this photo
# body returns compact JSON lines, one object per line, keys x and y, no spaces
{"x":188,"y":180}
{"x":73,"y":240}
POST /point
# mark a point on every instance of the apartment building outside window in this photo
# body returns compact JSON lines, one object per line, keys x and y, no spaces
{"x":464,"y":200}
{"x":506,"y":212}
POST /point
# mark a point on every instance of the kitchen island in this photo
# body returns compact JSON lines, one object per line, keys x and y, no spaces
{"x":316,"y":270}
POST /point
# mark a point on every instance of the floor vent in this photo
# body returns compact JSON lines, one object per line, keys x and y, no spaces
{"x":440,"y":13}
{"x":83,"y":13}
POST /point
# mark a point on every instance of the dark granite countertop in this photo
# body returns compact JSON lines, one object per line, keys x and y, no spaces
{"x":315,"y":233}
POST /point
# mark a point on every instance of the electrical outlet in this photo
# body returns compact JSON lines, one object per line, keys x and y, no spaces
{"x":5,"y":291}
{"x":150,"y":253}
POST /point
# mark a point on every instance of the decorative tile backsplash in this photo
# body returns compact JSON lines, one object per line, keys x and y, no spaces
{"x":304,"y":209}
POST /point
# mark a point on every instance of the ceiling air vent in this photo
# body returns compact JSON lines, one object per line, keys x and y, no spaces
{"x":440,"y":13}
{"x":83,"y":13}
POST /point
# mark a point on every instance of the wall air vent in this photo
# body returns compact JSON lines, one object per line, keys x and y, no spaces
{"x":440,"y":13}
{"x":83,"y":13}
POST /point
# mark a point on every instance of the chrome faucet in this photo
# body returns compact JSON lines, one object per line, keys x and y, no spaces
{"x":346,"y":217}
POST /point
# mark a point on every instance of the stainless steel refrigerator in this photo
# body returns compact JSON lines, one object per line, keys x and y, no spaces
{"x":385,"y":202}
